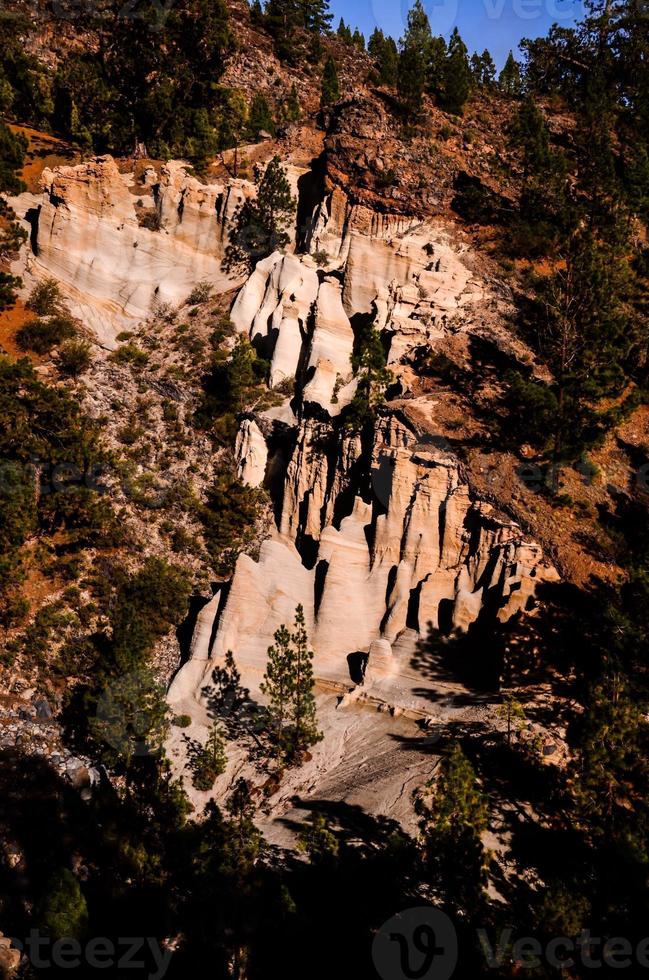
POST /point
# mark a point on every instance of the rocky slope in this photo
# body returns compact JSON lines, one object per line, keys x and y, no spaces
{"x":424,"y":523}
{"x":380,"y":540}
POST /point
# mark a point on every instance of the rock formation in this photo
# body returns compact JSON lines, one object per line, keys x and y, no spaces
{"x":113,"y":269}
{"x":378,"y":547}
{"x":296,"y":318}
{"x":378,"y":539}
{"x":378,"y":542}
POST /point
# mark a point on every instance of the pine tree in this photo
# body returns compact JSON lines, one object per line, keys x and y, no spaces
{"x":278,"y":685}
{"x":12,"y":153}
{"x":586,"y":337}
{"x":509,"y":79}
{"x":451,"y":825}
{"x":232,"y":122}
{"x":228,"y":699}
{"x":483,"y":69}
{"x":317,"y":839}
{"x":610,"y":768}
{"x":260,"y":118}
{"x":436,"y":66}
{"x":384,"y":52}
{"x":288,"y":685}
{"x":596,"y":158}
{"x":488,"y":69}
{"x":344,"y":33}
{"x":303,"y":715}
{"x":512,"y":711}
{"x":414,"y":59}
{"x":330,"y":91}
{"x":292,"y":107}
{"x":281,"y":18}
{"x":457,"y":75}
{"x":314,"y":15}
{"x":260,"y":224}
{"x":530,"y":134}
{"x":546,"y":214}
{"x":244,"y":844}
{"x":636,"y":181}
{"x":375,"y":43}
{"x":358,"y":40}
{"x":373,"y":377}
{"x":209,"y":760}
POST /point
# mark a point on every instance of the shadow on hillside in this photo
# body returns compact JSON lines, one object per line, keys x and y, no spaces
{"x":47,"y":829}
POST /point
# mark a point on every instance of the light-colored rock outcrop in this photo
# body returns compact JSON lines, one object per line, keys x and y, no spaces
{"x":251,"y":452}
{"x":417,"y":552}
{"x":110,"y":268}
{"x":407,"y":273}
{"x":300,"y":323}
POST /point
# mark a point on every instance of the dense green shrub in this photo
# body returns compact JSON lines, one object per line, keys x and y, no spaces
{"x":207,"y":761}
{"x":43,"y":334}
{"x":74,"y":357}
{"x":130,"y":354}
{"x":8,"y":289}
{"x":12,"y":152}
{"x":228,"y":518}
{"x":63,"y":912}
{"x":45,"y":298}
{"x":43,"y":430}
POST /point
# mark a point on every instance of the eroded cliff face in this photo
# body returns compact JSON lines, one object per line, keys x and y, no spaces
{"x":412,"y":283}
{"x":87,"y":232}
{"x":377,"y":535}
{"x":379,"y":543}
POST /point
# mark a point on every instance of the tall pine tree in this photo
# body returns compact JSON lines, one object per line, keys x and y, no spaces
{"x":384,"y":52}
{"x":457,"y":75}
{"x":330,"y":90}
{"x":452,"y":824}
{"x":277,"y":685}
{"x":261,"y":222}
{"x":509,"y":79}
{"x":414,"y":60}
{"x":303,"y":715}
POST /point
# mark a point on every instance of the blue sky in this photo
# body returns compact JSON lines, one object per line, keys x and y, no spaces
{"x":494,"y":24}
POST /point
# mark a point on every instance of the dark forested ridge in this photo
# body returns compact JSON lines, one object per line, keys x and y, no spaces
{"x":562,"y":210}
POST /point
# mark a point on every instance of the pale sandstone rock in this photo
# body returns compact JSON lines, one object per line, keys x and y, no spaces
{"x":263,"y":595}
{"x":421,"y":552}
{"x":406,"y":273}
{"x":110,"y":269}
{"x":333,"y":337}
{"x":305,"y":486}
{"x":330,"y":351}
{"x":352,"y":605}
{"x":275,"y":308}
{"x":380,"y":661}
{"x":251,"y":453}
